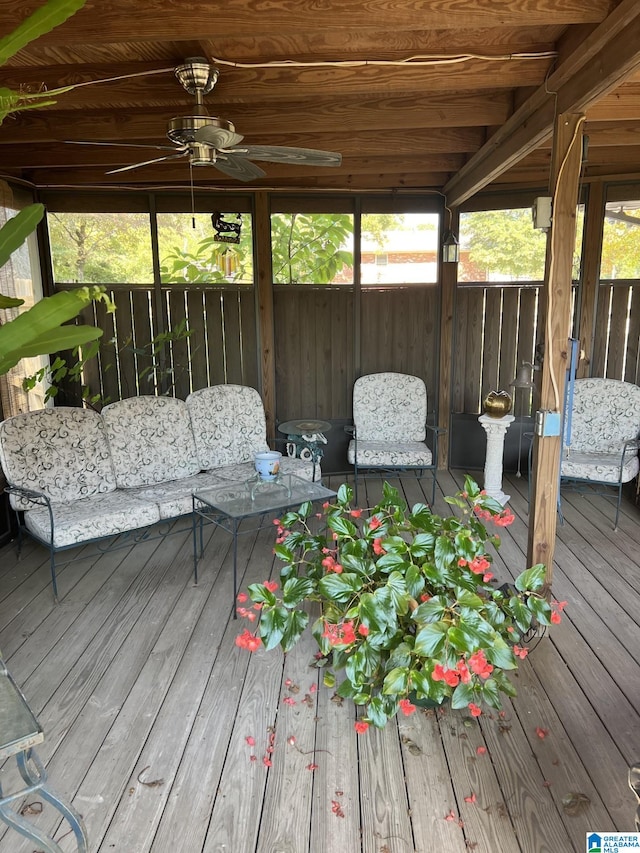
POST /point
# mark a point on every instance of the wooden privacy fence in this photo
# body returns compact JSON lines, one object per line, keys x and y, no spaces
{"x":326,"y":336}
{"x":495,"y":330}
{"x":616,"y":350}
{"x":221,"y":347}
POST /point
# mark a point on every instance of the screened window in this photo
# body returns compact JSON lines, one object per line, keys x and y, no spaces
{"x":100,"y":248}
{"x":312,"y":248}
{"x":399,"y":248}
{"x":501,"y":245}
{"x":621,"y":240}
{"x":206,"y":253}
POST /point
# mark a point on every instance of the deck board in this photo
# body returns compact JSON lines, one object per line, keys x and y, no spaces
{"x":136,"y":679}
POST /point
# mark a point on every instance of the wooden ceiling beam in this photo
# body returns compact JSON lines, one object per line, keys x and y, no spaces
{"x":606,"y":57}
{"x":106,"y":157}
{"x":122,"y":21}
{"x":242,"y":85}
{"x":421,"y":141}
{"x":621,"y":105}
{"x":172,"y":177}
{"x":327,"y":44}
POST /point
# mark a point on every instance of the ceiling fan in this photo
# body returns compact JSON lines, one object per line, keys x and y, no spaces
{"x":211,"y":141}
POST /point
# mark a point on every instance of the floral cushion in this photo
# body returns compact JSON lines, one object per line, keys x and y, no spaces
{"x":382,"y":454}
{"x":229,"y":425}
{"x":61,"y":452}
{"x":174,"y":499}
{"x":599,"y":467}
{"x":605,"y":413}
{"x":151,"y":441}
{"x":302,"y":468}
{"x":390,"y":407}
{"x":91,"y":518}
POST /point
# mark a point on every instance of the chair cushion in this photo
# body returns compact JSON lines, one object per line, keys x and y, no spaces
{"x":605,"y":413}
{"x":175,"y":498}
{"x":390,"y":407}
{"x":151,"y":441}
{"x":228,"y":423}
{"x":61,"y":452}
{"x":599,"y":467}
{"x":299,"y":467}
{"x":385,"y":454}
{"x":91,"y":518}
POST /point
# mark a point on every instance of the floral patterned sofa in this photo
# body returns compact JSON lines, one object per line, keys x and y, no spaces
{"x":79,"y":476}
{"x":601,"y":435}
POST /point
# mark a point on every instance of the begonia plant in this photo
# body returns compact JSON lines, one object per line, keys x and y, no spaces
{"x":410,"y":611}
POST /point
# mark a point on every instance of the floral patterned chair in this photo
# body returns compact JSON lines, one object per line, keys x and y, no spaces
{"x":390,"y":427}
{"x":601,"y":431}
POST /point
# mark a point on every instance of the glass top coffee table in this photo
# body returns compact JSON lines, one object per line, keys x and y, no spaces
{"x":229,"y":504}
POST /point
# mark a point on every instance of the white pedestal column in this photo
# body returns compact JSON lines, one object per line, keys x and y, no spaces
{"x":496,"y":429}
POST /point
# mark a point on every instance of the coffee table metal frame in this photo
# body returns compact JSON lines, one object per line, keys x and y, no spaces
{"x":228,"y":505}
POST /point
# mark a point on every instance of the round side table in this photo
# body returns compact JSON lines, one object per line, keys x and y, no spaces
{"x":306,"y":439}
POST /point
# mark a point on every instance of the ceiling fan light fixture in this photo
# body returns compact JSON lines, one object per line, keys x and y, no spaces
{"x":202,"y":155}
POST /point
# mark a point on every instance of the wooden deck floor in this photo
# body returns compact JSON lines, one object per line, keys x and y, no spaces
{"x":148,"y":705}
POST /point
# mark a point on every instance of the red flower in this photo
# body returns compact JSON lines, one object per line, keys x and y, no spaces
{"x":463,"y":669}
{"x":361,"y":726}
{"x":425,"y":597}
{"x":481,"y":750}
{"x":242,"y":597}
{"x":556,"y":618}
{"x":520,"y":652}
{"x":339,"y":635}
{"x":505,"y":518}
{"x":326,"y":505}
{"x":250,"y":740}
{"x":355,"y":513}
{"x":246,"y":640}
{"x":480,"y":665}
{"x":542,"y":733}
{"x":438,"y":673}
{"x":363,"y":630}
{"x":312,"y":767}
{"x":479,"y":565}
{"x":487,"y":577}
{"x":288,"y":700}
{"x":374,"y":523}
{"x":475,"y":710}
{"x":407,"y":707}
{"x":272,"y":586}
{"x":451,"y":677}
{"x":377,"y":547}
{"x":471,"y":798}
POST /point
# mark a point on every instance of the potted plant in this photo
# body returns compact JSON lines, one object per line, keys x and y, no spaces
{"x":410,"y":609}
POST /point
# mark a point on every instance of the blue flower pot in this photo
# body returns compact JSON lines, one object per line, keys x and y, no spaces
{"x":267,"y":464}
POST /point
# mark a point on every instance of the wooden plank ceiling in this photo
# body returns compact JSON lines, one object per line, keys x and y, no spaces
{"x":415,"y":95}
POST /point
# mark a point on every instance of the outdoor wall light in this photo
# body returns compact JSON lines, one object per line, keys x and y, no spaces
{"x":450,"y":249}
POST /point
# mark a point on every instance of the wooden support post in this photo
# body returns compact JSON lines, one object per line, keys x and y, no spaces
{"x":448,"y":281}
{"x":567,"y":157}
{"x":264,"y":301}
{"x":591,"y":250}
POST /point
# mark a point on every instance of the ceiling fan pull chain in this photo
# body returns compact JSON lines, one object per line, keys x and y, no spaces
{"x":193,"y":204}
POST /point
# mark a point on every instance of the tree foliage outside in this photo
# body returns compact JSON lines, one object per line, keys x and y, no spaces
{"x":101,"y":248}
{"x":503,"y":245}
{"x":191,"y":255}
{"x":310,"y":248}
{"x":621,"y":244}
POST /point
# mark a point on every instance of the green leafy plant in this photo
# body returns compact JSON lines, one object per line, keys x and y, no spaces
{"x":43,"y":20}
{"x":39,"y":330}
{"x":410,"y":611}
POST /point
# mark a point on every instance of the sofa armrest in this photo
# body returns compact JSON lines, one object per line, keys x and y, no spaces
{"x":29,"y":495}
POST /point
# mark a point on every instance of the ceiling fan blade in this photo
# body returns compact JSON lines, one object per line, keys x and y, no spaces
{"x":238,"y":167}
{"x":146,"y":163}
{"x":283,"y":154}
{"x":122,"y":144}
{"x":218,"y":137}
